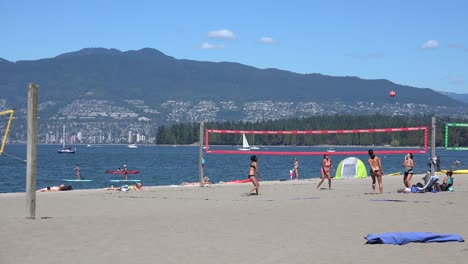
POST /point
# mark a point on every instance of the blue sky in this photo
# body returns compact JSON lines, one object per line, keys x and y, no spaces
{"x":418,"y":43}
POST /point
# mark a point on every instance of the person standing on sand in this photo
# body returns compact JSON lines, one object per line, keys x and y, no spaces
{"x":252,"y":170}
{"x":325,"y":170}
{"x":376,"y":170}
{"x":408,"y":163}
{"x":296,"y":169}
{"x":77,"y":171}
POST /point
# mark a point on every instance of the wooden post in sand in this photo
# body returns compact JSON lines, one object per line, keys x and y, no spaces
{"x":31,"y":152}
{"x":200,"y":165}
{"x":433,"y":135}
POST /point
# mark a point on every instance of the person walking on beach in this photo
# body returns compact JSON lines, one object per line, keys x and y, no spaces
{"x":376,"y":170}
{"x":408,"y":163}
{"x":77,"y":171}
{"x":252,"y":170}
{"x":125,"y":172}
{"x":296,"y":169}
{"x":325,"y":170}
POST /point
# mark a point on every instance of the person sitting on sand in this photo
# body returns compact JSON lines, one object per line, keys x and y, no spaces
{"x":59,"y":188}
{"x":447,"y":182}
{"x":125,"y":188}
{"x":206,"y":181}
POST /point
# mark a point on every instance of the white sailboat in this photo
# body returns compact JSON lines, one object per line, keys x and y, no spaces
{"x":245,"y":143}
{"x":330,"y":150}
{"x":65,"y":150}
{"x":254,"y":147}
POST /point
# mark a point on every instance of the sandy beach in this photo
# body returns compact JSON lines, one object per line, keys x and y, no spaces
{"x":289,"y":222}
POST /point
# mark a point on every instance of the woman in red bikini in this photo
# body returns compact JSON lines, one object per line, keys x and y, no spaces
{"x":376,"y":170}
{"x":326,"y":165}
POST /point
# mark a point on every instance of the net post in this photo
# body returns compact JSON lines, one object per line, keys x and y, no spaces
{"x":446,"y":136}
{"x":433,"y":135}
{"x":206,"y":140}
{"x":200,"y":163}
{"x":31,"y":154}
{"x":425,"y":139}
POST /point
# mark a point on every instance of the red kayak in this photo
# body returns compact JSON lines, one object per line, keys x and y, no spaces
{"x":239,"y":181}
{"x":121,"y":172}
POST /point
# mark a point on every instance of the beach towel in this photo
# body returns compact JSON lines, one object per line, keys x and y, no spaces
{"x":430,"y":182}
{"x":401,"y":238}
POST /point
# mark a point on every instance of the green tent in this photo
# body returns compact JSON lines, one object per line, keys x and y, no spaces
{"x":351,"y":167}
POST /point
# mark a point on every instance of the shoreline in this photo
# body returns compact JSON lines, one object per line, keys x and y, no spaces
{"x":197,"y":145}
{"x":267,"y":182}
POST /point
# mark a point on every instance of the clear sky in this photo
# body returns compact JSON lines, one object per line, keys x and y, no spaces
{"x":415,"y":42}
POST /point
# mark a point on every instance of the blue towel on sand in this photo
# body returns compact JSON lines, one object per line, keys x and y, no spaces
{"x":401,"y":238}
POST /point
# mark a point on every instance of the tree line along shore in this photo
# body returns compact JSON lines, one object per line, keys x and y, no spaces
{"x":188,"y":133}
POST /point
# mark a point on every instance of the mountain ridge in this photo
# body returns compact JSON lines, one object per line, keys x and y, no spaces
{"x":150,"y":74}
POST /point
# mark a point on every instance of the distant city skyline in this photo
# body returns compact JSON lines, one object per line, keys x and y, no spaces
{"x":417,"y":43}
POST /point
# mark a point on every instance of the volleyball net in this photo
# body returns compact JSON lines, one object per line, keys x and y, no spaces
{"x":219,"y":149}
{"x":458,"y":131}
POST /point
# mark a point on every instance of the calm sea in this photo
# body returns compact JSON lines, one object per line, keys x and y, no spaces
{"x":168,"y":165}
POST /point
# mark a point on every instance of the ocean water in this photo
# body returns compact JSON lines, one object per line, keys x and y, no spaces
{"x":168,"y":165}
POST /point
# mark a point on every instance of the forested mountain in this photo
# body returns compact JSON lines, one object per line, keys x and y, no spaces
{"x":459,"y":97}
{"x":189,"y":133}
{"x":98,"y":73}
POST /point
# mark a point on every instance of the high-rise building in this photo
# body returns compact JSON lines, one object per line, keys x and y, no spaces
{"x":130,"y":136}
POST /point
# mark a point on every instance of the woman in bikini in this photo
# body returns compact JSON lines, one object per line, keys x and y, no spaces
{"x":296,"y":169}
{"x":252,"y":170}
{"x":326,"y":165}
{"x":376,"y":170}
{"x":408,"y":163}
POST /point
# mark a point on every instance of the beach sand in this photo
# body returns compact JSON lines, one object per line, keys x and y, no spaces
{"x":289,"y":222}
